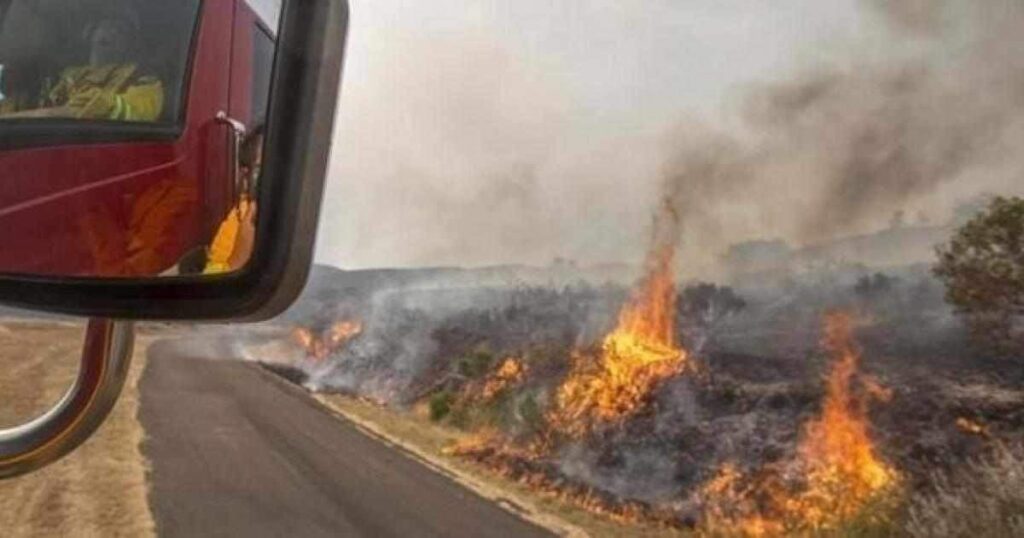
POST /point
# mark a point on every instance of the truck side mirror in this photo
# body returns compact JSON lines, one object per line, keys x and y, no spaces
{"x":159,"y":161}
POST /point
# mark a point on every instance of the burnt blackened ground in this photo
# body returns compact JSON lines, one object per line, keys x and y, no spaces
{"x":287,"y":372}
{"x":760,"y":379}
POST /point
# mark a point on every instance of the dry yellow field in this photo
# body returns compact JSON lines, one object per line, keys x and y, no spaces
{"x":98,"y":490}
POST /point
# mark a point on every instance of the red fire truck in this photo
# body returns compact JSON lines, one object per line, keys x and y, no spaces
{"x":101,"y":190}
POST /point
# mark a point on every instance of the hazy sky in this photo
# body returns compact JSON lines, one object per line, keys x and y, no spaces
{"x":517,"y":131}
{"x":269,"y":10}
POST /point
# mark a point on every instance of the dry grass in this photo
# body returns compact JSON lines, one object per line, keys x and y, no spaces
{"x":98,"y":490}
{"x":425,"y":440}
{"x":983,"y":498}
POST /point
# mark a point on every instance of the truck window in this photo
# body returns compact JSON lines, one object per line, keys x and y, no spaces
{"x":95,"y":60}
{"x":263,"y":48}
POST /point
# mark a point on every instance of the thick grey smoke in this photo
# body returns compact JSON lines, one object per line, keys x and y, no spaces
{"x":517,"y":132}
{"x":520,"y":132}
{"x":928,"y":115}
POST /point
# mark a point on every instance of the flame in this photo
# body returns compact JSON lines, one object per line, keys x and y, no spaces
{"x":638,"y":354}
{"x":877,"y":391}
{"x":337,"y":335}
{"x":303,"y":337}
{"x":509,"y":373}
{"x":839,"y":471}
{"x":735,"y":508}
{"x":525,"y":465}
{"x":342,"y":332}
{"x":972,"y":427}
{"x":603,"y":386}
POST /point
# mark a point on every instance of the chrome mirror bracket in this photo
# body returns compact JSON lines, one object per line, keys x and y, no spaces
{"x":238,"y":132}
{"x":106,"y":357}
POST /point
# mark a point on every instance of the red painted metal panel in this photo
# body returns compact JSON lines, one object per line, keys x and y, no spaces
{"x":241,"y":63}
{"x":70,"y":210}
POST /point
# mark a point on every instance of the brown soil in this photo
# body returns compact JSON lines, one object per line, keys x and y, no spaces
{"x":98,"y":490}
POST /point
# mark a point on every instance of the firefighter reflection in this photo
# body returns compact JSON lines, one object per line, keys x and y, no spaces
{"x":143,"y":238}
{"x":233,"y":244}
{"x":110,"y":86}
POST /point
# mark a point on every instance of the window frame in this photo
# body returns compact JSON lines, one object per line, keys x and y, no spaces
{"x":259,"y":27}
{"x":48,"y":132}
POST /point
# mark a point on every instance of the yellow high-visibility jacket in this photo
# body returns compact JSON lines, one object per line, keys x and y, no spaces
{"x":114,"y":92}
{"x":225,"y":242}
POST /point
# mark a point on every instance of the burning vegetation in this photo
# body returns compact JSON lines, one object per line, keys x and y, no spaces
{"x":746,"y":411}
{"x":835,"y":477}
{"x":508,"y":374}
{"x":638,"y":354}
{"x":822,"y":383}
{"x":697,"y":406}
{"x":700,"y":405}
{"x":319,"y":346}
{"x":784,"y":416}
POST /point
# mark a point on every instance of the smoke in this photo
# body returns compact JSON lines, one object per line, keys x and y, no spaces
{"x":252,"y":343}
{"x":414,"y":338}
{"x":517,"y":132}
{"x":521,"y":132}
{"x":929,"y":115}
{"x":450,"y":150}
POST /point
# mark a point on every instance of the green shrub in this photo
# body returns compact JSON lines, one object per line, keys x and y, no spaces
{"x":476,"y":364}
{"x":531,"y":414}
{"x":441,"y":405}
{"x":981,"y":267}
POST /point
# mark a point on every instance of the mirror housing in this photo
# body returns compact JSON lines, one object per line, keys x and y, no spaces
{"x":303,"y":98}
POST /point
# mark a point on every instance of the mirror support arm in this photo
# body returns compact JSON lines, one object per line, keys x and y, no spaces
{"x":106,"y":357}
{"x":238,"y":132}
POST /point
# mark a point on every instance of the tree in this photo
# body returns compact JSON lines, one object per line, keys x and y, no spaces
{"x":873,"y":287}
{"x":702,"y":306}
{"x":710,"y":303}
{"x":982,"y":268}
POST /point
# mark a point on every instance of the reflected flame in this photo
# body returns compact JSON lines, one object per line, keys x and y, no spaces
{"x":839,"y":471}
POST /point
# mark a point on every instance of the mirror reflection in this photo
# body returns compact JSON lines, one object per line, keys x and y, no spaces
{"x":131,"y":134}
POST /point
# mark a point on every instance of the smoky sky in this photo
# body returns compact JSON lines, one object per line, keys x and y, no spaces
{"x":516,"y":132}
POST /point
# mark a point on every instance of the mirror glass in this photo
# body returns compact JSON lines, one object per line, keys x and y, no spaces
{"x":131,"y":134}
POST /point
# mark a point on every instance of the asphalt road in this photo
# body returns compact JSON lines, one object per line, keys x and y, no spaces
{"x":233,"y":452}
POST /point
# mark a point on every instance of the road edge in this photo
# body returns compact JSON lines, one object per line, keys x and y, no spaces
{"x":516,"y":505}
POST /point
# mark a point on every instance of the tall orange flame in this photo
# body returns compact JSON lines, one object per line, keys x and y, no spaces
{"x":638,"y":354}
{"x":844,"y":471}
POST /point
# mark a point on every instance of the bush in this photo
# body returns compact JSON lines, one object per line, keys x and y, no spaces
{"x":986,"y":498}
{"x":441,"y":405}
{"x":706,"y":304}
{"x":531,"y":415}
{"x":983,"y":270}
{"x":476,"y":365}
